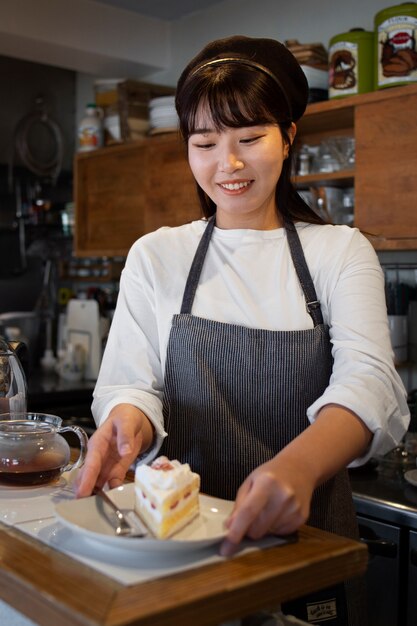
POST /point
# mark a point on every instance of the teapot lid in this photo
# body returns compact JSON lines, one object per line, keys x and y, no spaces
{"x":18,"y":429}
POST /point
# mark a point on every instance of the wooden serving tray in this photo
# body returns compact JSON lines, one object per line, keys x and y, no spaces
{"x":52,"y":588}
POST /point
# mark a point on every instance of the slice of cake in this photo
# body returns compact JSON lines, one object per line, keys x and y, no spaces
{"x":166,"y":495}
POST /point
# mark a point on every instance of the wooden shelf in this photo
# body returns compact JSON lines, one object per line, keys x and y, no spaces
{"x":342,"y":178}
{"x":329,"y":115}
{"x":385,"y":243}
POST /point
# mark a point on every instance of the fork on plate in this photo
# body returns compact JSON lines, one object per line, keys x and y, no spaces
{"x":128,"y":523}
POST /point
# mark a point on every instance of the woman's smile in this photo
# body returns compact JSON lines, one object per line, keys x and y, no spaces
{"x":235,"y":187}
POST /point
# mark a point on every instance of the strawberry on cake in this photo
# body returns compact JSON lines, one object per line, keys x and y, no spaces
{"x":166,"y":495}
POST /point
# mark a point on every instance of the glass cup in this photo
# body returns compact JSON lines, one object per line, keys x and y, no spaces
{"x":324,"y":161}
{"x":33,"y":450}
{"x":343,"y":150}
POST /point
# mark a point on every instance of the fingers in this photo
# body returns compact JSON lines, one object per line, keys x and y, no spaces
{"x":126,"y":433}
{"x":98,"y":449}
{"x":264,"y":506}
{"x":249,"y":506}
{"x":111,"y":451}
{"x":228,"y":548}
{"x":127,"y":424}
{"x":88,"y":475}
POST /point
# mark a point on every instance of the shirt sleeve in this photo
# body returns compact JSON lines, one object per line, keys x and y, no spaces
{"x":131,"y":370}
{"x":364,"y":378}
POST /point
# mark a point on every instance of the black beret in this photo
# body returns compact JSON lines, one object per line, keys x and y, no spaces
{"x":266,"y":55}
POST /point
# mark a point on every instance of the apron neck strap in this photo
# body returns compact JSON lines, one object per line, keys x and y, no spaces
{"x":196,"y":267}
{"x":303,"y":273}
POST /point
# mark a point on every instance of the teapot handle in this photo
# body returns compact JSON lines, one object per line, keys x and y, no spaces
{"x":82,"y":436}
{"x":21,"y":351}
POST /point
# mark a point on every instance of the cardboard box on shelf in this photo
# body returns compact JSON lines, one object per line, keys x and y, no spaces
{"x":125,"y":106}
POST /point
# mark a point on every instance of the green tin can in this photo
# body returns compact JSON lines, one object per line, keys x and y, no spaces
{"x":395,"y":50}
{"x":351,"y":67}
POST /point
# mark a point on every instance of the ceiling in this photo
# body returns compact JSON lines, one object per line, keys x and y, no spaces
{"x":169,"y":10}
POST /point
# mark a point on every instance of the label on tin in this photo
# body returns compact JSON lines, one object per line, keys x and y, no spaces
{"x":343,"y":69}
{"x":397,"y":54}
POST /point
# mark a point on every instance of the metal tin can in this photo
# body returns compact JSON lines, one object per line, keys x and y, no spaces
{"x":351,"y":63}
{"x":395,"y":45}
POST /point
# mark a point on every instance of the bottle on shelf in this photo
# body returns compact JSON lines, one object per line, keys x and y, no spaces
{"x":90,"y":129}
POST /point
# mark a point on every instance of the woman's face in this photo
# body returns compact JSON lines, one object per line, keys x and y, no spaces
{"x":239,"y":168}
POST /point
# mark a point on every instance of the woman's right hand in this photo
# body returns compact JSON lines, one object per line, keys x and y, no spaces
{"x":113,"y":448}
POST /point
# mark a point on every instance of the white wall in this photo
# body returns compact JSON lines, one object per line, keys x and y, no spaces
{"x":83,"y":35}
{"x":306,"y":20}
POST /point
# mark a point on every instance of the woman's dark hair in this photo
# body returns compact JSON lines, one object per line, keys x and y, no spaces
{"x":237,"y":95}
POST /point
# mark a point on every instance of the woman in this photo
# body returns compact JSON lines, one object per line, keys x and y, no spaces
{"x":257,"y":338}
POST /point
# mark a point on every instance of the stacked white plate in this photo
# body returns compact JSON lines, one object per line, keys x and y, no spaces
{"x":162,"y":115}
{"x":317,"y":79}
{"x":318,"y":83}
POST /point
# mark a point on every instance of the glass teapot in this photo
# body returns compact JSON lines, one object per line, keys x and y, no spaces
{"x":13,"y":388}
{"x":33,"y":450}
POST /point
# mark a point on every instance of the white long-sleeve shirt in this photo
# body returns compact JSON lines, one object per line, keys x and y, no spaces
{"x":248,"y":278}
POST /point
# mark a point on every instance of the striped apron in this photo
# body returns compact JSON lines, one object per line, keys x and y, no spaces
{"x":235,"y":396}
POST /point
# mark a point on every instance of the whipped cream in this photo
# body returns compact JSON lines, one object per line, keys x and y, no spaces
{"x":160,"y":476}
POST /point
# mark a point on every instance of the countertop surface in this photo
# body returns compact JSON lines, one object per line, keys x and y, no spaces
{"x":41,"y":384}
{"x":381,"y":490}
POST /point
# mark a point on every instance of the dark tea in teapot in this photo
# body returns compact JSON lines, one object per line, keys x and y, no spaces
{"x":33,"y":450}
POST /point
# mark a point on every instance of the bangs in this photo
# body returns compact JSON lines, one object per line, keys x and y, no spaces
{"x":229,"y":101}
{"x":228,"y":110}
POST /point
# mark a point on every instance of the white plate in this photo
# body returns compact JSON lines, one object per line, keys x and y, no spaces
{"x":84,"y":516}
{"x":164,"y":121}
{"x":161,"y":131}
{"x":411,"y":477}
{"x":162,"y":112}
{"x":162,"y":101}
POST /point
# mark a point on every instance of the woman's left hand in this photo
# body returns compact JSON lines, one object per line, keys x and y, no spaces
{"x":274,"y":499}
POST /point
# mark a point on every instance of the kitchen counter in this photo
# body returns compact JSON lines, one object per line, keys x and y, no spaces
{"x":386,"y":504}
{"x":43,"y":385}
{"x":381,"y":491}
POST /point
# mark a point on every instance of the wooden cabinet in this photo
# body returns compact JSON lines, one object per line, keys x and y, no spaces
{"x":384,"y":124}
{"x":126,"y":191}
{"x":386,"y":169}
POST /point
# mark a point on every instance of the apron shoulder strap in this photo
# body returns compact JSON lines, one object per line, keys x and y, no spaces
{"x":303,"y":273}
{"x":196,"y":267}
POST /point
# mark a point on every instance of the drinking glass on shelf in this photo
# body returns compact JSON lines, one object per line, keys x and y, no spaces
{"x":342,"y":149}
{"x":325,"y":161}
{"x":304,"y":161}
